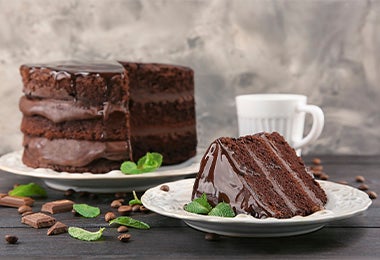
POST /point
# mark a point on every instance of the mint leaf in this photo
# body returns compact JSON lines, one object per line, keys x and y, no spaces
{"x":28,"y":190}
{"x":149,"y":162}
{"x":129,"y":168}
{"x":85,"y":235}
{"x":130,"y":222}
{"x":199,"y":205}
{"x":135,"y":201}
{"x":222,"y":210}
{"x":86,"y":211}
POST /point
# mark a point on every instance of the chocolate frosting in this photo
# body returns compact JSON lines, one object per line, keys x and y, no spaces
{"x":70,"y":152}
{"x":66,"y":110}
{"x":65,"y":68}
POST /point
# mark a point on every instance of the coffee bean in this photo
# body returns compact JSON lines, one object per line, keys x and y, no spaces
{"x":11,"y":239}
{"x":324,"y":176}
{"x":363,"y":187}
{"x":372,"y":195}
{"x":124,"y":237}
{"x":124,"y":210}
{"x":24,"y":208}
{"x":122,"y":229}
{"x":359,"y":178}
{"x":316,"y":168}
{"x":69,"y":193}
{"x":316,"y":161}
{"x":211,"y":237}
{"x":136,"y":208}
{"x":164,"y":187}
{"x":343,"y":182}
{"x":109,"y":216}
{"x":115,"y":204}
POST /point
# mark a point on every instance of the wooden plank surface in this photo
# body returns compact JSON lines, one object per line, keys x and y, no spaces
{"x":355,"y":238}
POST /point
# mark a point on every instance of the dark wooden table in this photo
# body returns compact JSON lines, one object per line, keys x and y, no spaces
{"x":355,"y":238}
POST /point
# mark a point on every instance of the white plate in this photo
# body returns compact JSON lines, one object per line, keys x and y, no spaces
{"x":113,"y":181}
{"x":343,"y":202}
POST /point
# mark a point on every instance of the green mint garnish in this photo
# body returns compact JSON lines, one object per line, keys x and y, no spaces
{"x":130,"y":222}
{"x":147,"y":163}
{"x":222,"y":210}
{"x":199,"y":205}
{"x":135,"y":201}
{"x":86,"y":211}
{"x":85,"y":235}
{"x":28,"y":190}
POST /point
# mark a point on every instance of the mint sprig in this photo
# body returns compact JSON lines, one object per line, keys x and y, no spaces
{"x":130,"y":222}
{"x":149,"y":162}
{"x":86,"y":211}
{"x":222,"y":210}
{"x":135,"y":200}
{"x":28,"y":190}
{"x":201,"y":206}
{"x":85,"y":235}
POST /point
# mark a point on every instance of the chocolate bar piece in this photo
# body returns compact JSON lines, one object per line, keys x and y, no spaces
{"x":57,"y":228}
{"x":57,"y":206}
{"x":15,"y":201}
{"x":38,"y":220}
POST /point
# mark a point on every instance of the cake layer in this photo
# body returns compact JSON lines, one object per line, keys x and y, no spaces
{"x":89,"y":83}
{"x":161,"y":113}
{"x":176,"y":146}
{"x":42,"y":152}
{"x":114,"y":128}
{"x":260,"y":175}
{"x":147,"y":79}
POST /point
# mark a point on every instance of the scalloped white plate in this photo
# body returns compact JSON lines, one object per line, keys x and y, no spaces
{"x":343,"y":202}
{"x":113,"y":181}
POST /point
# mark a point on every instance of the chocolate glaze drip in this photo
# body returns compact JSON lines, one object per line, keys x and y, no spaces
{"x":222,"y":180}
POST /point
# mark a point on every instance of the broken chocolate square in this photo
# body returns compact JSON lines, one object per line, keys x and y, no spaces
{"x":38,"y":220}
{"x":57,"y":228}
{"x":57,"y":206}
{"x":15,"y":201}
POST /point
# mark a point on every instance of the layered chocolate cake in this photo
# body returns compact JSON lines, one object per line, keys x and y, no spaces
{"x":77,"y":117}
{"x":259,"y":175}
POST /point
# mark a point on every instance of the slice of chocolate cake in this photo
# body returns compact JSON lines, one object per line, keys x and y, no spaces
{"x":259,"y":175}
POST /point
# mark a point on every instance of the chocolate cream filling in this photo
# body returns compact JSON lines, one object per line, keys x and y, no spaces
{"x":70,"y":152}
{"x":59,"y":111}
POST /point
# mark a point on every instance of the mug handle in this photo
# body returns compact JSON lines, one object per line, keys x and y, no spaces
{"x":316,"y":129}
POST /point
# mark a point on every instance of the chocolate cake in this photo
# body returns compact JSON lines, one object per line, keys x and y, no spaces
{"x":259,"y":175}
{"x":77,"y":117}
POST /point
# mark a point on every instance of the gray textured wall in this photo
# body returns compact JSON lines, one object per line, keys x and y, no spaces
{"x":327,"y":49}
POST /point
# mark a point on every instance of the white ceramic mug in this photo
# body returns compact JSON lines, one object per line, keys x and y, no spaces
{"x":283,"y":113}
